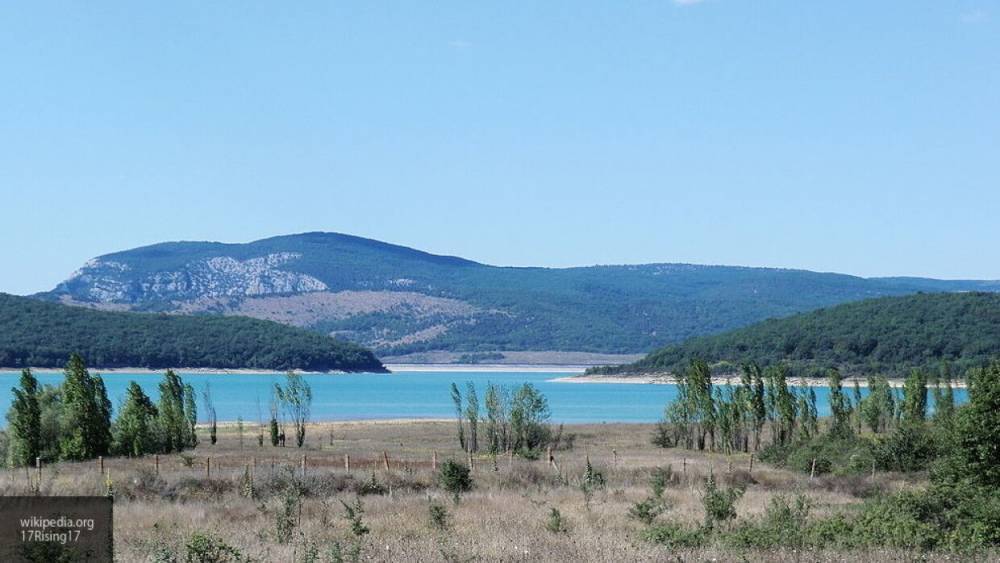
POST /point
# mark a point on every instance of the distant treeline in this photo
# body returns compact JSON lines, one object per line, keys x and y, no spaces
{"x":890,"y":335}
{"x":39,"y":334}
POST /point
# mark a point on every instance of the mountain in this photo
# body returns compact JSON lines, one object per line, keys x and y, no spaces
{"x":400,"y":301}
{"x":890,"y":335}
{"x":38,"y":334}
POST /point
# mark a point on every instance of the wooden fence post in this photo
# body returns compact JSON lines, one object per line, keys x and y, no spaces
{"x":812,"y":472}
{"x":347,"y":462}
{"x":208,"y":468}
{"x":434,"y":460}
{"x":385,"y":460}
{"x":156,"y":463}
{"x":751,"y":465}
{"x":303,"y":466}
{"x":38,"y":473}
{"x":685,"y":466}
{"x":614,"y":454}
{"x":100,"y":463}
{"x":472,"y":462}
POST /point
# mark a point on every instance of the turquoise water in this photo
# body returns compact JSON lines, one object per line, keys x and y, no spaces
{"x":406,"y":394}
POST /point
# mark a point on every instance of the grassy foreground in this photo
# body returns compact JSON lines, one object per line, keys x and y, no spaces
{"x":505,"y":517}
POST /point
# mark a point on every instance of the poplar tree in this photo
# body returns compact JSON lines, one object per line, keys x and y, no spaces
{"x":135,"y":428}
{"x":456,"y":399}
{"x":171,"y":422}
{"x":472,"y":414}
{"x":914,"y":408}
{"x":190,"y":414}
{"x":840,"y":409}
{"x":86,"y":415}
{"x":25,"y":422}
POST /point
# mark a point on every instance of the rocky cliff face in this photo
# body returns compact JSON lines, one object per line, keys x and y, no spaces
{"x":110,"y":282}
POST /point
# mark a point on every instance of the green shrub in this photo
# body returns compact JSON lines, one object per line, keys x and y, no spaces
{"x":353,"y":515}
{"x":719,"y":504}
{"x":659,"y":479}
{"x":647,"y":510}
{"x":455,"y":478}
{"x":205,"y":548}
{"x":439,"y":516}
{"x":911,"y":447}
{"x":676,"y":536}
{"x":556,"y":523}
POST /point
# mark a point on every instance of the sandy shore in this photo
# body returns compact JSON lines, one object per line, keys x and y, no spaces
{"x":496,"y":368}
{"x":666,"y":379}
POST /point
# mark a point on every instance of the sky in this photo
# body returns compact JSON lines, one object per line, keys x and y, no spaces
{"x":852,"y":136}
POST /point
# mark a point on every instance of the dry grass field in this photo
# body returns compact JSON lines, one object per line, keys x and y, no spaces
{"x":504,"y":517}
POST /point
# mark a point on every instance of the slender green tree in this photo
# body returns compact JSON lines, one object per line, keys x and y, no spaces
{"x":758,"y":404}
{"x":190,"y":414}
{"x":171,"y":421}
{"x":84,"y":434}
{"x":914,"y":409}
{"x":213,"y":425}
{"x":134,"y":430}
{"x":840,"y":409}
{"x":25,"y":422}
{"x":456,"y":399}
{"x":472,"y":414}
{"x":944,"y":399}
{"x":296,"y":396}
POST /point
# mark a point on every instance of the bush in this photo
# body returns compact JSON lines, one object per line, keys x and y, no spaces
{"x":556,"y":524}
{"x":439,"y":516}
{"x":204,"y":548}
{"x":676,"y":536}
{"x":647,"y":510}
{"x":911,"y":447}
{"x":455,"y":478}
{"x":719,"y":504}
{"x":840,"y":455}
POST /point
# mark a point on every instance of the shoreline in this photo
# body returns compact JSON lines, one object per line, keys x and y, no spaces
{"x":392,"y":368}
{"x":666,"y":379}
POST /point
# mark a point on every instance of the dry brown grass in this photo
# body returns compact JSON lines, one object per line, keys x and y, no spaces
{"x":502,"y":519}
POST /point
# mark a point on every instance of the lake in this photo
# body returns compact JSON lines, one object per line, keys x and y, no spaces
{"x":405,"y":394}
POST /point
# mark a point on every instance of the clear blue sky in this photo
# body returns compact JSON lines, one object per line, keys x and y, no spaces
{"x":860,"y":137}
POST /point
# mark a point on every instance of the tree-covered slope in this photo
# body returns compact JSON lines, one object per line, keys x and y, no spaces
{"x":39,"y":334}
{"x":889,"y":335}
{"x":399,"y":300}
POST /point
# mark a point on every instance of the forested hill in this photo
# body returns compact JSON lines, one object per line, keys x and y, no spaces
{"x":398,"y":300}
{"x":38,"y":334}
{"x":889,"y":335}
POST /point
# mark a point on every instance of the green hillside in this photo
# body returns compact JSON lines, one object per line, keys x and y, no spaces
{"x":889,"y":335}
{"x":39,"y":334}
{"x":399,"y":300}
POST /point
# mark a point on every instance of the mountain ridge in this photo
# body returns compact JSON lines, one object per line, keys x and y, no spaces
{"x":400,"y":300}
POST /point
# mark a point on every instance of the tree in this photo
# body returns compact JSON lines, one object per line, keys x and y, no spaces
{"x":296,"y":396}
{"x":273,"y":422}
{"x":784,"y":404}
{"x":496,"y":420}
{"x":171,"y":421}
{"x":209,"y":404}
{"x":86,"y":413}
{"x":977,"y":434}
{"x":914,"y":408}
{"x":758,"y":406}
{"x":857,"y":405}
{"x":25,"y":420}
{"x":134,"y":430}
{"x":472,"y":413}
{"x":456,"y":398}
{"x":528,"y":414}
{"x":944,"y":400}
{"x":840,"y":409}
{"x":190,"y":414}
